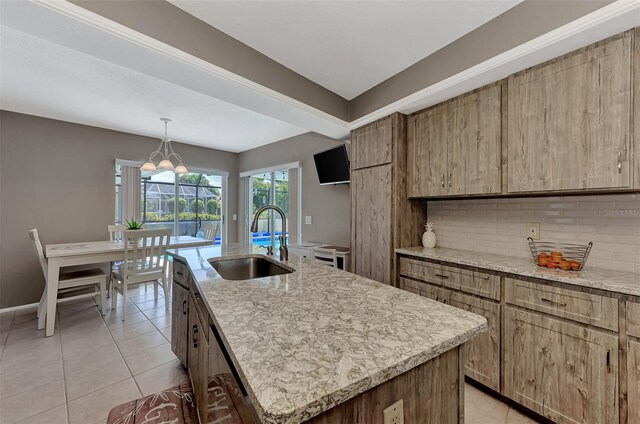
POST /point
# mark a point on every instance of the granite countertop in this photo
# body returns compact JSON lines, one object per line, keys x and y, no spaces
{"x":307,"y":341}
{"x":627,"y":283}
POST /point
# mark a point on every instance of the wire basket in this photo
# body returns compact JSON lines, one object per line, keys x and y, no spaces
{"x":570,"y":251}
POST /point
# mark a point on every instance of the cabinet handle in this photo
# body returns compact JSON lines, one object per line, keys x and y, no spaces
{"x":553,"y":301}
{"x":442,"y":180}
{"x":619,"y":161}
{"x":184,"y":307}
{"x":450,"y":176}
{"x":180,"y":273}
{"x":608,"y":361}
{"x":194,"y":331}
{"x":196,"y":295}
{"x":442,"y":276}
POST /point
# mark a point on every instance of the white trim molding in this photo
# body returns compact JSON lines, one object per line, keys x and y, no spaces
{"x":607,"y":21}
{"x":270,"y":169}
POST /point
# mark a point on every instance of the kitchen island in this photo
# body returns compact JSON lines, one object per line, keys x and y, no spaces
{"x":319,"y":344}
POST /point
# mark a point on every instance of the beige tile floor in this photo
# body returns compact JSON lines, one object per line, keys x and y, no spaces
{"x":93,"y":363}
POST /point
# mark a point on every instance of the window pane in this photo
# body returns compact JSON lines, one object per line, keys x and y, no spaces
{"x":158,"y":203}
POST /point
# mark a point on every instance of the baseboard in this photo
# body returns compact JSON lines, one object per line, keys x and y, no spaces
{"x":19,"y":308}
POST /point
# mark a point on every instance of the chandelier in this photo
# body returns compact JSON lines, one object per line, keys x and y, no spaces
{"x":165,"y":151}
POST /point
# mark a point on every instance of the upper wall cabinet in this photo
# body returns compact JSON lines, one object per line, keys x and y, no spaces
{"x":569,"y":121}
{"x":372,"y":145}
{"x":455,"y":148}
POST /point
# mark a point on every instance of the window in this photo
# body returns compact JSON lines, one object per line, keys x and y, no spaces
{"x":190,"y":204}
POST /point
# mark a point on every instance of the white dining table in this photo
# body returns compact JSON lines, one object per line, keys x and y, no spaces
{"x":90,"y":252}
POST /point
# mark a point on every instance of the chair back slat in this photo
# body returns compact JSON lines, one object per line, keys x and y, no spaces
{"x":115,"y":231}
{"x":211,"y":232}
{"x":326,"y":256}
{"x":144,"y":251}
{"x":33,"y":235}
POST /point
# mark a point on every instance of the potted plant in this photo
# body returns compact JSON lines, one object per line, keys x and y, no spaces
{"x":132,"y":224}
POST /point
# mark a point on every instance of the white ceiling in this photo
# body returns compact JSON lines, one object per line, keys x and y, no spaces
{"x":347,"y":47}
{"x":46,"y":79}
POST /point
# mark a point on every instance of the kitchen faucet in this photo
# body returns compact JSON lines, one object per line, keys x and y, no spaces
{"x":284,"y":251}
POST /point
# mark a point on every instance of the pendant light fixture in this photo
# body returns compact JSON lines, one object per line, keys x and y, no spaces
{"x":165,"y":151}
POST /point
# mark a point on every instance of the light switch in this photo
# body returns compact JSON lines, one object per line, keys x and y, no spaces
{"x":235,"y":216}
{"x":307,"y":220}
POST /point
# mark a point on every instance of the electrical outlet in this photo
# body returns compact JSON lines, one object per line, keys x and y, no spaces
{"x":533,"y":230}
{"x":307,"y":220}
{"x":394,"y":414}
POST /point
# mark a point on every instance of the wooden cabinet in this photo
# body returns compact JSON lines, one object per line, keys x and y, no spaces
{"x":455,"y":148}
{"x":569,"y":121}
{"x":198,"y":359}
{"x":372,"y":145}
{"x":382,"y":218}
{"x":633,"y":381}
{"x":371,"y":232}
{"x":180,"y":322}
{"x":565,"y":372}
{"x":482,"y":353}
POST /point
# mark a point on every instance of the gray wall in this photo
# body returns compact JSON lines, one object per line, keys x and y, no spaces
{"x":330,"y":206}
{"x":59,"y":177}
{"x":524,"y":22}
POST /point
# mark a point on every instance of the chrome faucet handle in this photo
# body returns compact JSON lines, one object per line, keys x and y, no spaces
{"x":284,"y":250}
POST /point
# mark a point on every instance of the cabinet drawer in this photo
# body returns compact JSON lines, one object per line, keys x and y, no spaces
{"x":181,"y":273}
{"x":587,"y":308}
{"x":633,"y":319}
{"x":474,"y":282}
{"x":426,"y":290}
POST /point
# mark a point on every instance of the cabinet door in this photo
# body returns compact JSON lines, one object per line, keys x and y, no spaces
{"x":565,"y":372}
{"x":372,"y":144}
{"x":569,"y":121}
{"x":371,"y":222}
{"x":482,"y":352}
{"x":474,"y":142}
{"x":180,"y":322}
{"x":427,"y":153}
{"x":633,"y":381}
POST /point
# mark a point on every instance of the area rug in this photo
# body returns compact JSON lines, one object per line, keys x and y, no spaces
{"x":177,"y":406}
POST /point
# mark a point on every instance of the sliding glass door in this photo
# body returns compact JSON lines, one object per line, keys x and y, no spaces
{"x":190,"y":204}
{"x":269,"y":188}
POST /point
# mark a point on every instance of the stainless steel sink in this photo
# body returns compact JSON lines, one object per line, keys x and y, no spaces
{"x":247,"y":268}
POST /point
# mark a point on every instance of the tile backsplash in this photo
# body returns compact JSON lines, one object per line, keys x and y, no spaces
{"x":498,"y":226}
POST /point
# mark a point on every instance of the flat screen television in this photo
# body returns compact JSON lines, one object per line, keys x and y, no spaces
{"x":332,"y":166}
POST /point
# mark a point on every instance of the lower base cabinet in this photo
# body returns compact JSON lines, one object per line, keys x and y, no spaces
{"x":180,"y":322}
{"x":198,"y":360}
{"x":633,"y":381}
{"x":482,"y":353}
{"x":565,"y":372}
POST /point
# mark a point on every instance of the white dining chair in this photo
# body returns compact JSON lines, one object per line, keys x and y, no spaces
{"x":69,"y":281}
{"x":144,"y":262}
{"x":211,"y":232}
{"x":115,"y":231}
{"x":326,"y":256}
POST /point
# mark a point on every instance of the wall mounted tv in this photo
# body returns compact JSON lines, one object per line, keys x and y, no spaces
{"x":332,"y":166}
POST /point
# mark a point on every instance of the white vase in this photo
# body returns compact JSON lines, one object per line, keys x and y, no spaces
{"x":429,"y":239}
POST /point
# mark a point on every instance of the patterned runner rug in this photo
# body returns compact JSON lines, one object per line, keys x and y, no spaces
{"x":177,"y":406}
